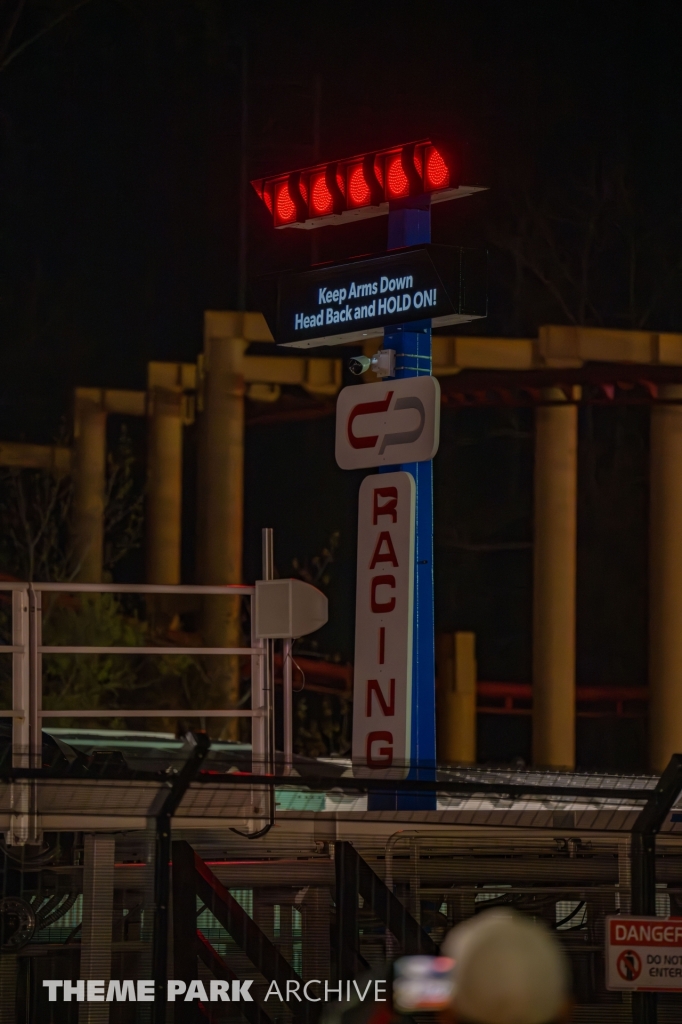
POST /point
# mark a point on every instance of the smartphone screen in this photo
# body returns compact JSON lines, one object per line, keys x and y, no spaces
{"x":422,"y":983}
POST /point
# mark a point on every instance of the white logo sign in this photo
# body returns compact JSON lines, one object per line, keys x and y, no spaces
{"x":388,"y":423}
{"x":382,"y":692}
{"x":644,"y":954}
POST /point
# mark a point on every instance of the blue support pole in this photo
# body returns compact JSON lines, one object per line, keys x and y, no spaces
{"x":411,"y":225}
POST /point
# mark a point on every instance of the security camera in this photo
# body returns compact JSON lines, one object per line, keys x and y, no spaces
{"x":359,"y":364}
{"x":382,"y":362}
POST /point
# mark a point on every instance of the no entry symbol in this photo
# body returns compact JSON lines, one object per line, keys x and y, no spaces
{"x":629,"y":965}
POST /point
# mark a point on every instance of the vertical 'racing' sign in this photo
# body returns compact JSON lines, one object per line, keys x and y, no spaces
{"x":383,"y":625}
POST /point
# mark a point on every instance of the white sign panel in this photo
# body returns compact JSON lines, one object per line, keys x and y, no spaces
{"x":382,"y":691}
{"x":388,"y":423}
{"x":644,"y":954}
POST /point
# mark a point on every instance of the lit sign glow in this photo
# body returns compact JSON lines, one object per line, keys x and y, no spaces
{"x":362,"y":186}
{"x":382,"y":678}
{"x":357,"y":299}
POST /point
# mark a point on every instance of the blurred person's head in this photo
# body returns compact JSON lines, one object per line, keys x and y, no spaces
{"x":508,"y":970}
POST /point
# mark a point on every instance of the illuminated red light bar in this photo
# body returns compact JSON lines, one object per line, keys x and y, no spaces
{"x":362,"y":186}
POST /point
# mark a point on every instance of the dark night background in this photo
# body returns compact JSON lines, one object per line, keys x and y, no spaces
{"x":120,"y":157}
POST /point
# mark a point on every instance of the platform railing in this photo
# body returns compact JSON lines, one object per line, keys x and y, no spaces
{"x":27,"y":650}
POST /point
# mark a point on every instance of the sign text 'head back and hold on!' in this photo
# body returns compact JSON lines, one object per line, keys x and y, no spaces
{"x":354,"y":300}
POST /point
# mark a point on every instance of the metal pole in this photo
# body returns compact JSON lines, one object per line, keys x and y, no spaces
{"x":288,"y":705}
{"x":259,"y":725}
{"x":347,"y":887}
{"x":411,"y":225}
{"x":35,"y":703}
{"x":162,"y":867}
{"x":268,"y":570}
{"x":21,"y":694}
{"x":22,"y":822}
{"x":185,"y":967}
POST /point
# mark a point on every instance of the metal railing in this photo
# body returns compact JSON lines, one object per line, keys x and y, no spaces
{"x":27,"y":650}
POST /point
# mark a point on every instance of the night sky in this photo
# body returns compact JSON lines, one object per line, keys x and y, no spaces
{"x":120,"y":157}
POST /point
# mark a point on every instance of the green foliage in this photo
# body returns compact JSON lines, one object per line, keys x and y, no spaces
{"x":90,"y":681}
{"x":321,"y":725}
{"x":124,"y":503}
{"x":315,"y":570}
{"x":83,"y":681}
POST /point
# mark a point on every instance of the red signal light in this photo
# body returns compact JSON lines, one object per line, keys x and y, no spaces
{"x":397,"y":184}
{"x":291,"y":205}
{"x":361,"y":186}
{"x":285,"y":207}
{"x":436,"y":171}
{"x":359,"y":192}
{"x":321,"y":199}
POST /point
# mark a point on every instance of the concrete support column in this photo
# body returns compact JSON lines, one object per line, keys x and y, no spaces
{"x":96,"y":934}
{"x":554,"y":582}
{"x":164,"y":486}
{"x":89,"y":465}
{"x":456,"y":698}
{"x":665,"y":579}
{"x":221,"y":492}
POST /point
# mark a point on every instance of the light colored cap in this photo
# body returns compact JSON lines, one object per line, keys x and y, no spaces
{"x":508,"y":970}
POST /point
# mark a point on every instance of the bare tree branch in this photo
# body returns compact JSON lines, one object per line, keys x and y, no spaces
{"x":11,"y":25}
{"x":69,"y":12}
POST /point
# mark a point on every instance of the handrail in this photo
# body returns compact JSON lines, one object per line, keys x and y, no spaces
{"x":160,"y":649}
{"x":27,"y":650}
{"x":226,"y":589}
{"x":154,"y":713}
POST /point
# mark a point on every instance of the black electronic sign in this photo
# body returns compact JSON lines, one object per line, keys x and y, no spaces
{"x":357,"y":299}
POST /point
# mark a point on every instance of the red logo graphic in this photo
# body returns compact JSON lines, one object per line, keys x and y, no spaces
{"x":364,"y":409}
{"x":629,"y":965}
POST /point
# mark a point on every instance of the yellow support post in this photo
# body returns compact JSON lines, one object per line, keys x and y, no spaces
{"x":665,"y":579}
{"x":91,"y":406}
{"x":163,"y":527}
{"x":167,"y":412}
{"x":220,"y":505}
{"x":456,"y":698}
{"x":554,"y":591}
{"x":89,"y":464}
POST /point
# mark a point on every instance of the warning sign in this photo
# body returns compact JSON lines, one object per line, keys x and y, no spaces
{"x":629,"y":965}
{"x":644,"y":954}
